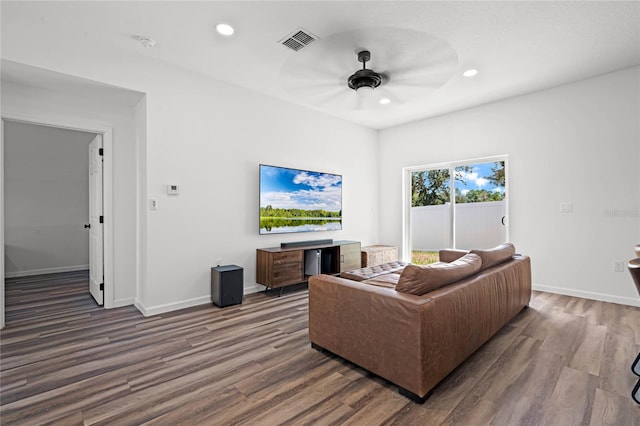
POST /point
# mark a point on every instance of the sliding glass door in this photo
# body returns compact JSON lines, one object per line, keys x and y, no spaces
{"x":459,"y":205}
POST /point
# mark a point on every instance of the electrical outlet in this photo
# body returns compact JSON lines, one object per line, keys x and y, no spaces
{"x":566,"y":207}
{"x":618,"y":266}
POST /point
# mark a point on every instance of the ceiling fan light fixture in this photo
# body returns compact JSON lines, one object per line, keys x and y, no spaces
{"x":365,"y":79}
{"x":470,"y":72}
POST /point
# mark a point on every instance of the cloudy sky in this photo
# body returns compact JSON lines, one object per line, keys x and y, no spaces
{"x":477,"y":179}
{"x":297,"y":189}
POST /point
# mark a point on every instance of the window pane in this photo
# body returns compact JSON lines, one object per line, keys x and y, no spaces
{"x":430,"y":187}
{"x":481,"y":182}
{"x":430,"y":214}
{"x":480,"y":207}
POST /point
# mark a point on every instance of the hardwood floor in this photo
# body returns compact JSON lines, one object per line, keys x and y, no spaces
{"x":64,"y":360}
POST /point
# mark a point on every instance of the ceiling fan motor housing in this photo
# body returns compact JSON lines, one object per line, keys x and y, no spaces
{"x":364,"y":77}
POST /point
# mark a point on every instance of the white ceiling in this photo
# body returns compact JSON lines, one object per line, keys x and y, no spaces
{"x":517,"y":46}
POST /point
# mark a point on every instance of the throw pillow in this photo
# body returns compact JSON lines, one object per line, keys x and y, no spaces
{"x":496,"y":255}
{"x":421,"y":280}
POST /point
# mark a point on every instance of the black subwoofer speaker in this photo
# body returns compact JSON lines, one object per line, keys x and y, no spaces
{"x":227,"y":285}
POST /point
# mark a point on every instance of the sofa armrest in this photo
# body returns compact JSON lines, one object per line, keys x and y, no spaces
{"x":449,"y":255}
{"x":374,"y":327}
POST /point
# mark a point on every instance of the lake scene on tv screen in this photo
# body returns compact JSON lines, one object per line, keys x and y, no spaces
{"x":294,"y":200}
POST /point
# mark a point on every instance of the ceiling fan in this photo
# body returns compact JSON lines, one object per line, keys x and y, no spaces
{"x":398,"y":65}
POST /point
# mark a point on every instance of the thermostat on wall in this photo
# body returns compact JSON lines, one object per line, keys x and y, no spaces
{"x":172,"y":190}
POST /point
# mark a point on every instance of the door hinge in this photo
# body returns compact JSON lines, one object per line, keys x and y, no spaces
{"x":100,"y":151}
{"x":101,"y":286}
{"x":101,"y":219}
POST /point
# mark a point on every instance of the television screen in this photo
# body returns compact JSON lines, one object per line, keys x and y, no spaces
{"x":299,"y":200}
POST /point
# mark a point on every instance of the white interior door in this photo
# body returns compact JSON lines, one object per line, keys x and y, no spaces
{"x":96,"y":267}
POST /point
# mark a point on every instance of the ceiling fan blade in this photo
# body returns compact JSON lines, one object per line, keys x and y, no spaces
{"x":315,"y":96}
{"x":412,"y":63}
{"x":442,"y":70}
{"x":338,"y":99}
{"x":396,"y":96}
{"x":412,"y":85}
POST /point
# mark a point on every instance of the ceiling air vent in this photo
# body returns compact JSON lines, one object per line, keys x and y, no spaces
{"x":298,"y":39}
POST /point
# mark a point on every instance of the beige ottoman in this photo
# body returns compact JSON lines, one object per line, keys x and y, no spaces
{"x":378,"y":254}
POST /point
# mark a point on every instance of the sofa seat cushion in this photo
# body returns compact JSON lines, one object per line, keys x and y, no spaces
{"x":385,"y":280}
{"x":420,"y":280}
{"x":496,"y":255}
{"x":374,"y":271}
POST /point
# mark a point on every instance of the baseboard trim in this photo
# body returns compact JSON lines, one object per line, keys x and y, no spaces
{"x":123,"y":302}
{"x":169,"y":307}
{"x":629,"y":301}
{"x":55,"y":270}
{"x":256,"y":288}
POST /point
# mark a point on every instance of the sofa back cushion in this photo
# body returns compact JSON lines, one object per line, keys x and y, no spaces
{"x":496,"y":255}
{"x":421,"y":280}
{"x":449,"y":255}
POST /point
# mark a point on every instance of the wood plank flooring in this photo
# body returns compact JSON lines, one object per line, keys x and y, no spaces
{"x":64,"y":360}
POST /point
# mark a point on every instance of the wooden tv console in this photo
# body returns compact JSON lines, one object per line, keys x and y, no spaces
{"x":278,"y":267}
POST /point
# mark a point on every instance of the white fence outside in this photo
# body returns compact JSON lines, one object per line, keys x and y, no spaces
{"x":478,"y":225}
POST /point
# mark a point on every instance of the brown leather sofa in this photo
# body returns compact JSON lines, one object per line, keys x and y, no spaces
{"x":411,"y":340}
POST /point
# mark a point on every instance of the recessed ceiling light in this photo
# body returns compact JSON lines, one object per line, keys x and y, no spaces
{"x":470,"y":72}
{"x":225,"y":29}
{"x":385,"y":101}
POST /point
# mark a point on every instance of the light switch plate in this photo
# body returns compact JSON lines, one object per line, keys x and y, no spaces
{"x":618,"y":266}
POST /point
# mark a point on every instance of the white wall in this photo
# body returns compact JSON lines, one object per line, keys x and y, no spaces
{"x":564,"y":144}
{"x":46,"y":173}
{"x":576,"y":143}
{"x":209,"y":137}
{"x":28,"y":101}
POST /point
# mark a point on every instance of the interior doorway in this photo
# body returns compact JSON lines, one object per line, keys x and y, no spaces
{"x":54,"y":189}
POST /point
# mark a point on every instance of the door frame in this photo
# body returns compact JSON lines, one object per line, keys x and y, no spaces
{"x":82,"y":125}
{"x":406,"y":196}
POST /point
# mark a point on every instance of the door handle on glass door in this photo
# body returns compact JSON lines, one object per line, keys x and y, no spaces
{"x":502,"y":220}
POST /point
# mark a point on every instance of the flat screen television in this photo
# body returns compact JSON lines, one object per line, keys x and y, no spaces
{"x":293,"y":200}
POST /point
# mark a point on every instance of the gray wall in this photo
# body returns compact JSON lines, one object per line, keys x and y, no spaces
{"x":46,"y":199}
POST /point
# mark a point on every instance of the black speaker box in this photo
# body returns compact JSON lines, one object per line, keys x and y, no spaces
{"x":227,"y":285}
